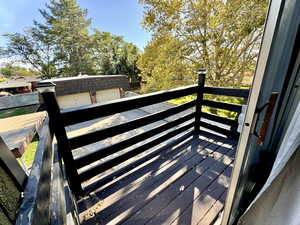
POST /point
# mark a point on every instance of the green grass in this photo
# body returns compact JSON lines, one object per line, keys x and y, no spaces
{"x":17,"y":112}
{"x":219,"y":112}
{"x":179,"y":101}
{"x":2,"y":79}
{"x":29,"y":154}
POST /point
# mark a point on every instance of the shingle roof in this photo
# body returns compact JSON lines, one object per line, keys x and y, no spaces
{"x":80,"y":84}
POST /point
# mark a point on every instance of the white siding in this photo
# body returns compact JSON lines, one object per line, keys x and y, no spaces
{"x":80,"y":99}
{"x":74,"y":100}
{"x":107,"y":95}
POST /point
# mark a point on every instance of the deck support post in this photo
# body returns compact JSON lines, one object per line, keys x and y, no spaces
{"x":199,"y":99}
{"x":56,"y":125}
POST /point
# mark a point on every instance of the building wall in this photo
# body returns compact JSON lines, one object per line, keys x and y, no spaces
{"x":107,"y":95}
{"x":80,"y":99}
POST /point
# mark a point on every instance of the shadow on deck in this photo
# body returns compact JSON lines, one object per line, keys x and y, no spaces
{"x":185,"y":183}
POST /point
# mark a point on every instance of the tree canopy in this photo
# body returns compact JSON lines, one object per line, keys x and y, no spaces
{"x":114,"y":55}
{"x":62,"y":45}
{"x":220,"y":36}
{"x":162,"y":65}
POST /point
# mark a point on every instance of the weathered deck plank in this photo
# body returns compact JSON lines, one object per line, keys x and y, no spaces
{"x":119,"y":211}
{"x":167,"y":190}
{"x":214,"y":211}
{"x":164,"y":166}
{"x":200,"y":207}
{"x":178,"y":187}
{"x":182,"y":203}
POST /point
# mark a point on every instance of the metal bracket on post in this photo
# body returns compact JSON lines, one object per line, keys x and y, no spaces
{"x":47,"y":90}
{"x":199,"y":99}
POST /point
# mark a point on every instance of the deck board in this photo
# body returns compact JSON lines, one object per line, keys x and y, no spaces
{"x":145,"y":194}
{"x":186,"y":185}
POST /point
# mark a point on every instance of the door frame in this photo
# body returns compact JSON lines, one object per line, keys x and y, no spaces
{"x":273,"y":16}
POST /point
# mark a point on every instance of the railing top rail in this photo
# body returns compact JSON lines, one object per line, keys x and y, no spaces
{"x":232,"y":92}
{"x":90,"y":112}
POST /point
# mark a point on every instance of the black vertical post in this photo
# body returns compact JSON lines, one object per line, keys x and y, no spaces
{"x":199,"y":99}
{"x":57,"y":126}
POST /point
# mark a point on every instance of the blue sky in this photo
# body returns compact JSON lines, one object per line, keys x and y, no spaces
{"x":120,"y":17}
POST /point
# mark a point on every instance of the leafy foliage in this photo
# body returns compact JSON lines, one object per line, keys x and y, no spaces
{"x":62,"y":45}
{"x":162,"y":65}
{"x":2,"y":79}
{"x":66,"y":29}
{"x":220,"y":36}
{"x":114,"y":55}
{"x":30,"y":49}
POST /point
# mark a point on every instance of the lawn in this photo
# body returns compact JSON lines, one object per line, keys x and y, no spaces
{"x":2,"y":79}
{"x":17,"y":112}
{"x":29,"y":154}
{"x":219,"y":112}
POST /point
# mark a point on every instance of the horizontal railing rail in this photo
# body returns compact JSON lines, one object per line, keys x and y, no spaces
{"x":79,"y":169}
{"x":90,"y":112}
{"x":231,"y":92}
{"x":219,"y":120}
{"x":222,"y":105}
{"x":217,"y":129}
{"x":122,"y":158}
{"x":102,"y":153}
{"x":99,"y":135}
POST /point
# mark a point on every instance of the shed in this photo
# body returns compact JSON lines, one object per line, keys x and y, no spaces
{"x":85,"y":90}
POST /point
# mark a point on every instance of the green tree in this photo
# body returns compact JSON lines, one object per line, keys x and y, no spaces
{"x":162,"y":65}
{"x":66,"y":27}
{"x":29,"y":48}
{"x":114,"y":55}
{"x":221,"y":36}
{"x":61,"y":45}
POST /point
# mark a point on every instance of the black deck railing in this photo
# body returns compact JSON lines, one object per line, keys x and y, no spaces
{"x":60,"y":119}
{"x":37,"y":193}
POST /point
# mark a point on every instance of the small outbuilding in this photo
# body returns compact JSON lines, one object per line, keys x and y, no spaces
{"x":85,"y":90}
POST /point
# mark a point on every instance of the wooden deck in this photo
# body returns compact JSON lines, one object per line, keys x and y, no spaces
{"x":185,"y":183}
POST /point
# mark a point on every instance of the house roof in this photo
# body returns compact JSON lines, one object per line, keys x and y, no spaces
{"x":14,"y":84}
{"x":17,"y":82}
{"x":80,"y":84}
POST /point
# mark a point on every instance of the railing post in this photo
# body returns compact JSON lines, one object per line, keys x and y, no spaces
{"x":56,"y":125}
{"x":199,"y":99}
